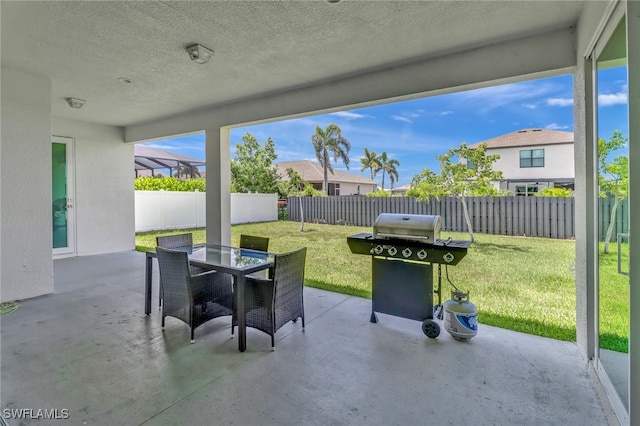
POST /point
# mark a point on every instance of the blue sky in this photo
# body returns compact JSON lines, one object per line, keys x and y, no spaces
{"x":415,"y":132}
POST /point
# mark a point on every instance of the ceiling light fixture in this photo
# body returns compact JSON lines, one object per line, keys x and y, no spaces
{"x":199,"y":53}
{"x":75,"y":102}
{"x":125,"y":80}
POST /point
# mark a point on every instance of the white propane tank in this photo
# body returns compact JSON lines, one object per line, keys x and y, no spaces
{"x":460,"y":316}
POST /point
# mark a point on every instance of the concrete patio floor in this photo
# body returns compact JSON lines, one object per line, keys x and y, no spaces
{"x":88,"y":348}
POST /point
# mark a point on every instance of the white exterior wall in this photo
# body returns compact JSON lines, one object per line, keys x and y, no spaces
{"x":25,"y":176}
{"x":104,"y":199}
{"x":352,"y":188}
{"x":103,"y":194}
{"x":558,"y":162}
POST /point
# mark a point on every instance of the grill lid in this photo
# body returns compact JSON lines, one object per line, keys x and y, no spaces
{"x":415,"y":227}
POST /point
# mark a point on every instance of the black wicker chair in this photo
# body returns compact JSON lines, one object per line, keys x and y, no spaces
{"x":176,"y":242}
{"x":182,"y":242}
{"x":194,"y":299}
{"x":271,"y":303}
{"x":254,"y":243}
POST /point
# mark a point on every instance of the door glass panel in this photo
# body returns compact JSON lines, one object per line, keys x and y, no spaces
{"x":59,"y":194}
{"x":613,"y":212}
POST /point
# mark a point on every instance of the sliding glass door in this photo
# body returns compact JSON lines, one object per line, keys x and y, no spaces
{"x":613,"y":219}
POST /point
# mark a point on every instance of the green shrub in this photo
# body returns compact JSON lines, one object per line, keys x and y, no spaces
{"x":555,"y":192}
{"x":150,"y":183}
{"x":379,"y":193}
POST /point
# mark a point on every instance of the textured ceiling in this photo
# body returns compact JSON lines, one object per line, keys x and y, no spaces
{"x":261,"y":47}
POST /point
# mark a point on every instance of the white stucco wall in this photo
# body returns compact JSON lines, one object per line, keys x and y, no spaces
{"x":558,"y":162}
{"x":25,"y":176}
{"x":104,"y":199}
{"x":347,"y":188}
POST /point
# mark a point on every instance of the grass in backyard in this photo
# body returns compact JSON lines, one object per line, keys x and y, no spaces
{"x":518,"y":283}
{"x":614,"y":300}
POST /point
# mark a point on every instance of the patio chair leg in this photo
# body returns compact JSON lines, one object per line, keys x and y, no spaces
{"x":273,"y":343}
{"x":302,"y":322}
{"x":193,"y":338}
{"x":163,"y":321}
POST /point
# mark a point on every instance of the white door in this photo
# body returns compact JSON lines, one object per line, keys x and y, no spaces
{"x":63,"y":196}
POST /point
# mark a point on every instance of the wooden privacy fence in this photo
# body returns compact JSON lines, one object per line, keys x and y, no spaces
{"x":530,"y":216}
{"x":621,"y":223}
{"x":546,"y":217}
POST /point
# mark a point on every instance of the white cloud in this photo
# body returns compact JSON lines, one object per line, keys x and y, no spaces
{"x":443,"y":113}
{"x":485,"y":100}
{"x":554,"y":126}
{"x":401,"y":118}
{"x":609,"y":99}
{"x":348,"y":115}
{"x":530,"y":106}
{"x":561,"y":102}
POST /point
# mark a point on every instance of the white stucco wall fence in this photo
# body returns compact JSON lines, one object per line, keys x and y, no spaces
{"x":158,"y":210}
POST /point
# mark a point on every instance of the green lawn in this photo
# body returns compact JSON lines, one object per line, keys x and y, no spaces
{"x":517,"y":283}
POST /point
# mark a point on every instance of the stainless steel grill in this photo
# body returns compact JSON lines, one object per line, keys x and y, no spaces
{"x":403,"y":249}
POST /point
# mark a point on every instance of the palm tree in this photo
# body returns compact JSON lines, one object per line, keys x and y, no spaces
{"x":187,"y":172}
{"x":370,"y":161}
{"x":388,"y":166}
{"x":330,"y":140}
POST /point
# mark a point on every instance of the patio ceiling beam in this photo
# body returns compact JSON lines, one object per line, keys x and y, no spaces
{"x":536,"y":56}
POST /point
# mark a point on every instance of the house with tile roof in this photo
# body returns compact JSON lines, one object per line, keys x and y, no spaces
{"x":533,"y":159}
{"x":340,"y":183}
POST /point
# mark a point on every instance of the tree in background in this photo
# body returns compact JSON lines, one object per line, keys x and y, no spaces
{"x":463,"y":172}
{"x":388,"y":166}
{"x":252,"y":168}
{"x":295,"y":186}
{"x":555,"y":192}
{"x":370,"y":161}
{"x":613,"y":176}
{"x":330,"y":140}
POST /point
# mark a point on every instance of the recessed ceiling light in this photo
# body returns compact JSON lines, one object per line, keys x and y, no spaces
{"x":125,"y":80}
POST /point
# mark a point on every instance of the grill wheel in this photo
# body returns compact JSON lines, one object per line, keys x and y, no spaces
{"x":431,"y":328}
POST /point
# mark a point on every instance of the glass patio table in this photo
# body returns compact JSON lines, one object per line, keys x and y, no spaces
{"x":238,"y":262}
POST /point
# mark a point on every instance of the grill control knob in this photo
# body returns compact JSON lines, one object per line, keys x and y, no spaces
{"x":406,"y":252}
{"x":379,"y":249}
{"x":448,"y":257}
{"x":392,"y":251}
{"x":422,"y":254}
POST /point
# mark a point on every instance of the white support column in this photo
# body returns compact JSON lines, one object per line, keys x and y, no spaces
{"x":586,"y":201}
{"x":633,"y":79}
{"x":218,"y":203}
{"x":25,"y":172}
